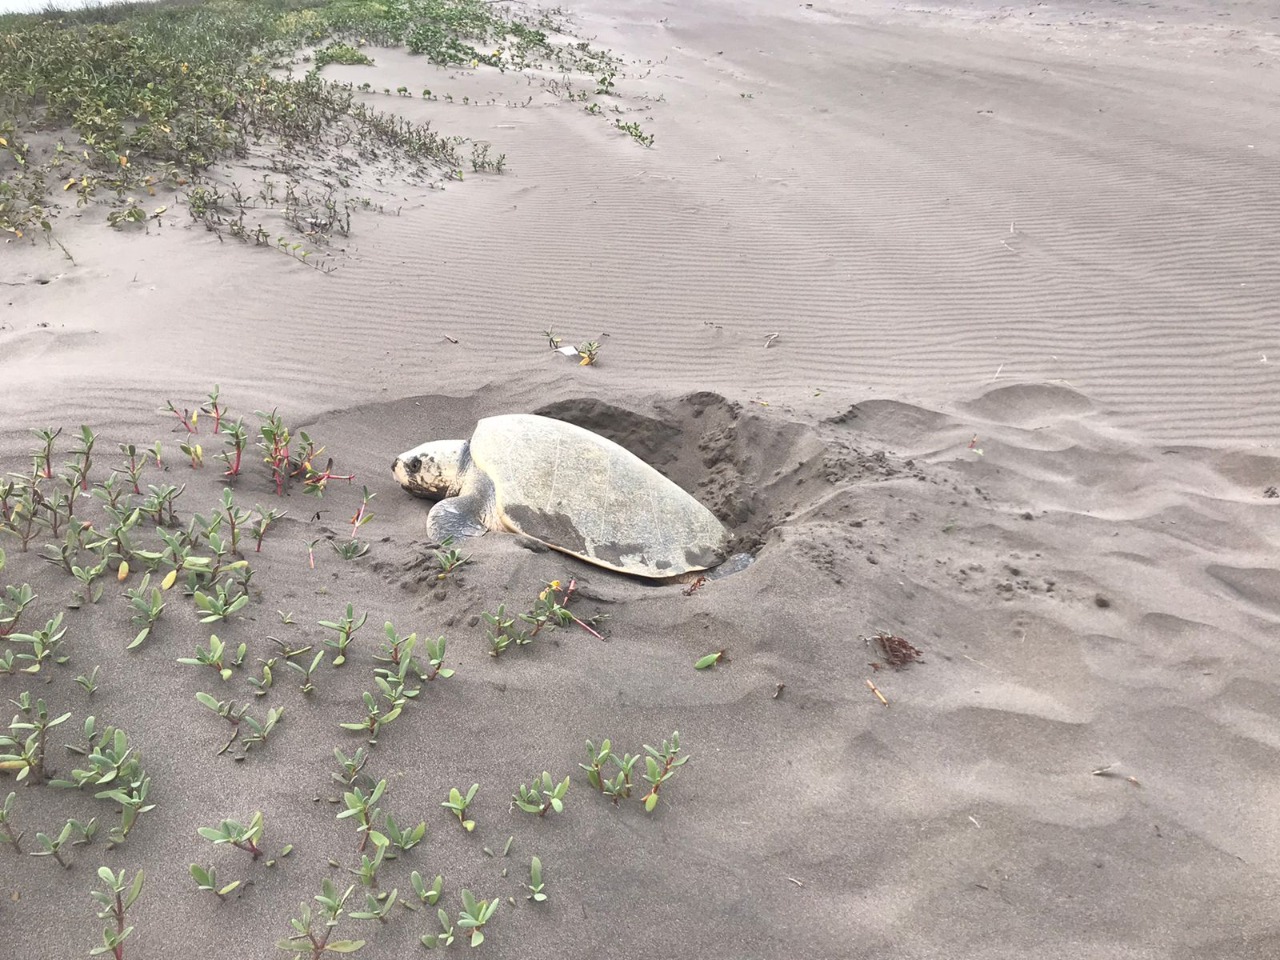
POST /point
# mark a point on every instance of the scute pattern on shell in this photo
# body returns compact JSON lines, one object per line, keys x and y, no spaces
{"x":584,"y":495}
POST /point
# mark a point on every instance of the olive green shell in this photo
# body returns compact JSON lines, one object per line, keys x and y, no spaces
{"x":586,"y":496}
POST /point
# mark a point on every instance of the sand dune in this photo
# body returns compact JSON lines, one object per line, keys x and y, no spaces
{"x":1022,"y":267}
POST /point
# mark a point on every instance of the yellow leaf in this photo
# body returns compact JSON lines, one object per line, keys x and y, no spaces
{"x":123,"y":573}
{"x":169,"y":580}
{"x":70,"y":183}
{"x":3,"y":142}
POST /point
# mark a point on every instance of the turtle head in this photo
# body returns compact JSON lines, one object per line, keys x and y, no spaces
{"x":433,"y":470}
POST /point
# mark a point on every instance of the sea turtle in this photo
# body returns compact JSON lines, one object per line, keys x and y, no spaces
{"x":565,"y":487}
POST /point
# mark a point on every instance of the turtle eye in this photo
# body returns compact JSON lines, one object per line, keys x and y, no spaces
{"x":415,"y":464}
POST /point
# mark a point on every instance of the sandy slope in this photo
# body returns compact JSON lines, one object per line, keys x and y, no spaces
{"x":1021,"y":410}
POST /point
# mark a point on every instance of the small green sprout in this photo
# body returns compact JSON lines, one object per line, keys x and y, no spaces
{"x":544,"y":795}
{"x":367,"y":872}
{"x":363,"y":807}
{"x":661,"y":766}
{"x":535,"y":885}
{"x":90,"y":682}
{"x":449,"y":559}
{"x":238,"y":835}
{"x":7,"y":833}
{"x":349,"y":549}
{"x":220,"y":603}
{"x":475,"y":914}
{"x":428,"y":895}
{"x":459,"y":804}
{"x":345,"y":629}
{"x":377,"y":906}
{"x":148,"y":603}
{"x":374,"y":719}
{"x":443,"y":939}
{"x":318,"y":941}
{"x":308,"y":670}
{"x":351,"y":766}
{"x":215,"y":656}
{"x":53,"y":846}
{"x":207,"y":879}
{"x":402,"y":839}
{"x":114,"y":900}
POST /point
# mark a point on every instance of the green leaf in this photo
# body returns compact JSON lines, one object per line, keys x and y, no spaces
{"x":343,"y":946}
{"x":139,"y":638}
{"x":134,"y":892}
{"x":228,"y":888}
{"x":710,"y":660}
{"x":650,"y":802}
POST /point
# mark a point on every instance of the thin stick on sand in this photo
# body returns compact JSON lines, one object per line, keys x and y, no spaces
{"x":876,"y":691}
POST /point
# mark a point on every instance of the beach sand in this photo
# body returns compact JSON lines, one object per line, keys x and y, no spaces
{"x":1022,"y":264}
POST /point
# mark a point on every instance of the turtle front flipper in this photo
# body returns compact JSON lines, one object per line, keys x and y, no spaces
{"x":456,"y":517}
{"x":466,"y":515}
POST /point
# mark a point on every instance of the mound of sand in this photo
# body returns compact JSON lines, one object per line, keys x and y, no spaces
{"x":1020,"y":412}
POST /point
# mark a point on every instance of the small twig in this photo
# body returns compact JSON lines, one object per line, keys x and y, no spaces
{"x":876,"y":691}
{"x":1110,"y":771}
{"x":798,"y":883}
{"x":778,"y":692}
{"x":450,"y":339}
{"x":768,"y":341}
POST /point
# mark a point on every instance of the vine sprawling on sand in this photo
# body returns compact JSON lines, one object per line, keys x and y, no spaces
{"x":114,"y":103}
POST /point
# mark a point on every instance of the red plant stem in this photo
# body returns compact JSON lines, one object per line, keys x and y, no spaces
{"x":235,"y":467}
{"x":184,"y":418}
{"x":573,"y":585}
{"x":119,"y":947}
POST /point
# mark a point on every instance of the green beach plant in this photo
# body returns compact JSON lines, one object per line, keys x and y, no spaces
{"x":114,"y":899}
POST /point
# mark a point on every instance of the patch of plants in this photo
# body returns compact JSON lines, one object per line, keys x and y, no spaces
{"x":612,"y":774}
{"x":550,"y":610}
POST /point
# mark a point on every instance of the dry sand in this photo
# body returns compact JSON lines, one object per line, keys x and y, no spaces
{"x":1021,"y":410}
